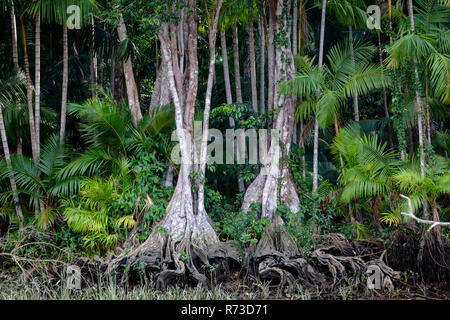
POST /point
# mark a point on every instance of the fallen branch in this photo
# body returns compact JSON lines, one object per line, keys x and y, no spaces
{"x":411,"y":215}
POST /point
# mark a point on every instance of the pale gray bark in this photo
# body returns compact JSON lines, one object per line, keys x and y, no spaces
{"x":266,"y":188}
{"x":385,"y":102}
{"x":14,"y":36}
{"x":251,"y":42}
{"x":419,"y":110}
{"x":295,"y":28}
{"x":316,"y":122}
{"x":262,"y":85}
{"x":212,"y":33}
{"x":226,"y":69}
{"x":237,"y":72}
{"x":418,"y":99}
{"x":132,"y":92}
{"x":93,"y":77}
{"x":37,"y":85}
{"x":270,"y":63}
{"x":12,"y":180}
{"x":65,"y":80}
{"x":355,"y":95}
{"x":29,"y":93}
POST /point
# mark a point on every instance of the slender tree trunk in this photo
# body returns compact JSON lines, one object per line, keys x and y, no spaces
{"x":427,"y":107}
{"x":132,"y":92}
{"x":226,"y":69}
{"x":376,"y":218}
{"x":294,"y":51}
{"x":15,"y":56}
{"x":295,"y":27}
{"x":355,"y":95}
{"x":262,"y":85}
{"x":14,"y":37}
{"x":213,"y":20}
{"x":237,"y":73}
{"x":419,"y":109}
{"x":37,"y":84}
{"x":251,"y":40}
{"x":112,"y":75}
{"x":29,"y":93}
{"x":8,"y":163}
{"x":93,"y":77}
{"x":270,"y":63}
{"x":65,"y":81}
{"x":316,"y":122}
{"x":385,"y":103}
{"x":435,"y":212}
{"x":390,"y":20}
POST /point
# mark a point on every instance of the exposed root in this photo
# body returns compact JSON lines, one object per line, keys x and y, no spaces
{"x":387,"y":274}
{"x":339,"y":266}
{"x":275,"y":259}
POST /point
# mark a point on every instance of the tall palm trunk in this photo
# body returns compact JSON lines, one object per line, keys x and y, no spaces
{"x":237,"y":73}
{"x":385,"y":103}
{"x":93,"y":77}
{"x":15,"y":55}
{"x":295,"y":28}
{"x":37,"y":84}
{"x":12,"y":180}
{"x":229,"y":97}
{"x":352,"y":53}
{"x":29,"y":93}
{"x":316,"y":122}
{"x":132,"y":92}
{"x":251,"y":40}
{"x":65,"y":80}
{"x":419,"y":110}
{"x":226,"y":69}
{"x":262,"y":62}
{"x":112,"y":74}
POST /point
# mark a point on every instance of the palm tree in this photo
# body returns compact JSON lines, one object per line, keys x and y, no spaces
{"x":40,"y":182}
{"x":56,"y":12}
{"x":10,"y":90}
{"x":348,"y":74}
{"x":434,"y":183}
{"x":369,"y":167}
{"x":349,"y":14}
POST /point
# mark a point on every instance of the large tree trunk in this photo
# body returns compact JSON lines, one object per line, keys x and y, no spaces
{"x":37,"y":85}
{"x":251,"y":41}
{"x":8,"y":163}
{"x":29,"y":93}
{"x":275,"y":257}
{"x":65,"y":81}
{"x":184,"y":240}
{"x":132,"y":92}
{"x":316,"y":122}
{"x":237,"y":72}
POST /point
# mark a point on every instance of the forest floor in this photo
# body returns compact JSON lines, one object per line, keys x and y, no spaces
{"x":12,"y":287}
